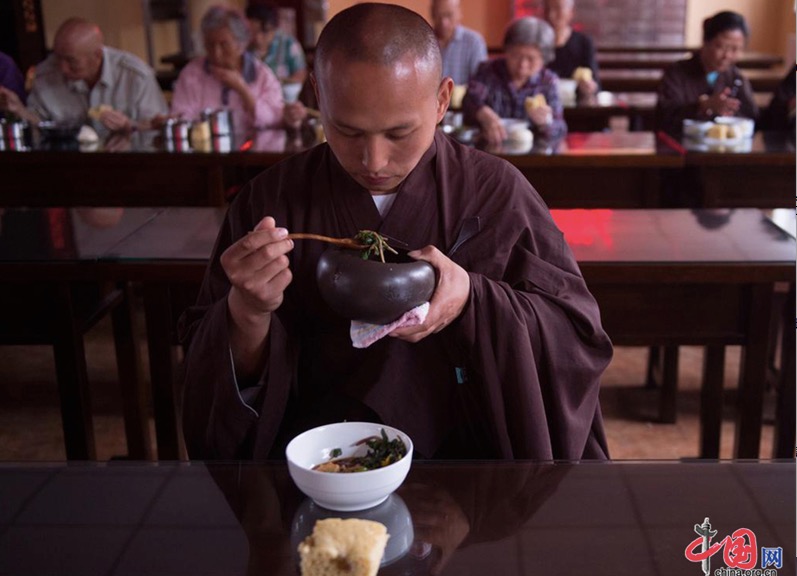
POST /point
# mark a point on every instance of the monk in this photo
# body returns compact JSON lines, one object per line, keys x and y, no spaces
{"x":85,"y":80}
{"x":507,"y":362}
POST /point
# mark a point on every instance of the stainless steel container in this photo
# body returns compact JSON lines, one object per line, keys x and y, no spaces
{"x":176,"y":135}
{"x":220,"y":121}
{"x":12,"y":134}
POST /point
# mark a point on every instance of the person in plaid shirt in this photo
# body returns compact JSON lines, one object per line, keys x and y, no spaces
{"x":511,"y":86}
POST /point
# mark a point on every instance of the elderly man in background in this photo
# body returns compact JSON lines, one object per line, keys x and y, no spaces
{"x":229,"y":76}
{"x":84,"y":78}
{"x":463,"y":49}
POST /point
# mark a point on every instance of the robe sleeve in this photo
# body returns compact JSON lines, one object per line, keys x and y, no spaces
{"x":217,"y":422}
{"x":532,"y":336}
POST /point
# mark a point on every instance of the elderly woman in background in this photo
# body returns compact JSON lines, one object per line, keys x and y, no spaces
{"x":517,"y":85}
{"x":574,"y":50}
{"x":708,"y":84}
{"x":228,"y":76}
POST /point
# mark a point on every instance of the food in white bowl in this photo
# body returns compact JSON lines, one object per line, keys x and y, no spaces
{"x":345,"y":491}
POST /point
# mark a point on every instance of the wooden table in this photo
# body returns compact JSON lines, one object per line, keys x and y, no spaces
{"x":448,"y":518}
{"x":661,"y":277}
{"x":631,"y":60}
{"x":625,"y":80}
{"x":586,"y":170}
{"x":757,"y":172}
{"x":599,"y":169}
{"x":699,"y":277}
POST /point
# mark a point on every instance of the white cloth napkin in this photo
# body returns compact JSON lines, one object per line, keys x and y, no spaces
{"x":363,"y":334}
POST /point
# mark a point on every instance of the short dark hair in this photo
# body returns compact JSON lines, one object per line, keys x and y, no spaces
{"x":723,"y":22}
{"x":264,"y":12}
{"x":378,"y":33}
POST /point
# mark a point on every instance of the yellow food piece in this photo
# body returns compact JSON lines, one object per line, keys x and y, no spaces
{"x":534,"y":102}
{"x":337,"y":547}
{"x":720,"y":132}
{"x":96,"y":111}
{"x":582,"y":73}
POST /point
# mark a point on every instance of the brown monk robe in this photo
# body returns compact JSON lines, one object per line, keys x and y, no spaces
{"x":514,"y":375}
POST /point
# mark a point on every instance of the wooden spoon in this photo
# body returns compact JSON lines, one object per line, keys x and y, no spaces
{"x":345,"y":242}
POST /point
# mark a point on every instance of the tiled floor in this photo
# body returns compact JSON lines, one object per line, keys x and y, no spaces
{"x":30,"y":426}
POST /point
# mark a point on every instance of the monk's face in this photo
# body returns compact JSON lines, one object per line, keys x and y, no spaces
{"x":379,"y":120}
{"x":523,"y":62}
{"x":722,"y":51}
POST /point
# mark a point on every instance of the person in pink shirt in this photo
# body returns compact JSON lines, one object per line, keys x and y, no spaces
{"x":228,"y":76}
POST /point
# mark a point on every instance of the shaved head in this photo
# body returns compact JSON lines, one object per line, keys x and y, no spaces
{"x":79,"y":32}
{"x":383,"y":34}
{"x":78,"y":48}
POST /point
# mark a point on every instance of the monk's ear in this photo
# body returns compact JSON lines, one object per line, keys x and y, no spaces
{"x":314,"y":84}
{"x":444,"y":97}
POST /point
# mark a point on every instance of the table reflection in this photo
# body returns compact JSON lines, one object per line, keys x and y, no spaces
{"x":447,"y":512}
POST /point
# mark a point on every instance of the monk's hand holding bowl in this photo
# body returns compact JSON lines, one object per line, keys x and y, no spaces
{"x":448,"y":300}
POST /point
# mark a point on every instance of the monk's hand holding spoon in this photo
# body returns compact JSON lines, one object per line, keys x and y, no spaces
{"x":448,"y":300}
{"x":257,"y":267}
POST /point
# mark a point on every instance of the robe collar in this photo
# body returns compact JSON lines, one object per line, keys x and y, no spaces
{"x":356,"y":210}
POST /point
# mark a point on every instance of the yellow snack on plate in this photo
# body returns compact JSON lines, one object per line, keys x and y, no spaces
{"x":337,"y":547}
{"x":534,"y":102}
{"x":582,"y":73}
{"x":717,"y":132}
{"x":96,"y":111}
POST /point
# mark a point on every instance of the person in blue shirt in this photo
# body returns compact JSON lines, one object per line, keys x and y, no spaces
{"x":463,"y":49}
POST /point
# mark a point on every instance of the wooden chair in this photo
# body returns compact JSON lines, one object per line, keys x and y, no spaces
{"x":59,"y":315}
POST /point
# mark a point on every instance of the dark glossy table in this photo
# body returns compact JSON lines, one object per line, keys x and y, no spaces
{"x":699,"y":277}
{"x":754,"y":172}
{"x":585,"y":170}
{"x":630,"y":60}
{"x":661,"y":277}
{"x":647,"y":80}
{"x":599,"y":169}
{"x":455,"y":518}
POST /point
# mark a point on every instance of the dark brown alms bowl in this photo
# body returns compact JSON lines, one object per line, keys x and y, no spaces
{"x":371,"y":290}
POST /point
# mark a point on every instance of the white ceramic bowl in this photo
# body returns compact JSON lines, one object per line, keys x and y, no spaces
{"x":695,"y":128}
{"x":344,"y":491}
